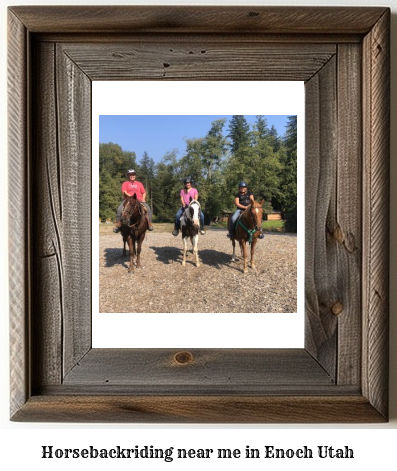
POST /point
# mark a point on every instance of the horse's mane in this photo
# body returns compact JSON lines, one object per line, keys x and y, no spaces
{"x":195,"y":202}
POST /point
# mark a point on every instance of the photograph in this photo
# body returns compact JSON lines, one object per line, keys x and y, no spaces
{"x":236,"y":268}
{"x":203,"y":206}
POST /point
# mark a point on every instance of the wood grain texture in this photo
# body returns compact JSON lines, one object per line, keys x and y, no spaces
{"x":193,"y":19}
{"x":346,"y":227}
{"x":73,"y":89}
{"x":198,"y":409}
{"x":229,"y":370}
{"x":376,"y":91}
{"x":223,"y":59}
{"x":341,"y":375}
{"x":19,"y":227}
{"x":320,"y":179}
{"x":333,"y":215}
{"x":62,"y":172}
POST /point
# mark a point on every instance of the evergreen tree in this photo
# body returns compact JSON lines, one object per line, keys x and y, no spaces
{"x":167,"y":187}
{"x":289,"y":174}
{"x":273,"y":138}
{"x":261,"y":130}
{"x":146,"y":176}
{"x":239,"y":133}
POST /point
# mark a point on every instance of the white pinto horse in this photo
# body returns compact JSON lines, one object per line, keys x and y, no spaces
{"x":190,"y":225}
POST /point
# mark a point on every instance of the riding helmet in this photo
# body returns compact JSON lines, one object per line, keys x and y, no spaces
{"x":188,"y":180}
{"x":242,"y":185}
{"x":130,"y":171}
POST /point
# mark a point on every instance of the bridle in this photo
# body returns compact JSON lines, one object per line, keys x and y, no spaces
{"x":254,"y":218}
{"x":250,"y":232}
{"x":189,"y":219}
{"x":136,"y":206}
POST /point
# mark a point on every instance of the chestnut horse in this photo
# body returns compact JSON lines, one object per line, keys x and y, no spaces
{"x":247,"y":229}
{"x":134,"y":225}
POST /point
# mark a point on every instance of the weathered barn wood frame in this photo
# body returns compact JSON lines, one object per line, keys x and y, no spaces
{"x":342,"y":54}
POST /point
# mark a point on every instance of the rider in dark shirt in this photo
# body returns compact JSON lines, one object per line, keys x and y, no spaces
{"x":242,"y":200}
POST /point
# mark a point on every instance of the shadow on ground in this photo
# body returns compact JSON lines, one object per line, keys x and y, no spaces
{"x":115,"y":257}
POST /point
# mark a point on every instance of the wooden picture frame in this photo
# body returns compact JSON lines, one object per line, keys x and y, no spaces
{"x":342,"y":54}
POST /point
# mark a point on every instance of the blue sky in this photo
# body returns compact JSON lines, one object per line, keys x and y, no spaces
{"x":157,"y":134}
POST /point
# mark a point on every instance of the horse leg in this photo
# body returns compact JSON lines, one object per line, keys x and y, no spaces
{"x":234,"y":250}
{"x":124,"y":244}
{"x":131,"y":247}
{"x":243,"y":247}
{"x":252,"y":253}
{"x":184,"y":250}
{"x":195,"y":249}
{"x":138,"y":250}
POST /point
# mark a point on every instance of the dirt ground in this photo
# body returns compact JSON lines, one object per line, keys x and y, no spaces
{"x":218,"y":285}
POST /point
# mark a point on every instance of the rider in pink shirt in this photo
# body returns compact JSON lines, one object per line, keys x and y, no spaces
{"x":186,"y":194}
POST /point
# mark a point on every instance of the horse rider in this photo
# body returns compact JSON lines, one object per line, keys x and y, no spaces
{"x":242,"y":200}
{"x":128,"y":188}
{"x":186,"y":193}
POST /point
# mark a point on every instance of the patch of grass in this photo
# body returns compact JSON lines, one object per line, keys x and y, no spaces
{"x":107,"y":229}
{"x":268,"y":226}
{"x":273,"y":226}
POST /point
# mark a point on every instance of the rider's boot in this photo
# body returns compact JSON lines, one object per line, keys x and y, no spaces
{"x":175,"y":232}
{"x":202,"y":231}
{"x":150,"y":227}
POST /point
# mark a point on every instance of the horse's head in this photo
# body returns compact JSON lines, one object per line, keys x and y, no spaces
{"x":130,"y":210}
{"x":256,"y":210}
{"x":194,"y":211}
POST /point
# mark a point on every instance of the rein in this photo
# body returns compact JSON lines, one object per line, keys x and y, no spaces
{"x":136,"y":225}
{"x":250,"y":232}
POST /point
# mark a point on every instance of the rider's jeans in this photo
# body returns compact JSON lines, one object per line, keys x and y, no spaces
{"x":233,"y":219}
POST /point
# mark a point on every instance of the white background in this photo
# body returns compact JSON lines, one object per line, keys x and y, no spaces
{"x":21,"y":443}
{"x":228,"y":330}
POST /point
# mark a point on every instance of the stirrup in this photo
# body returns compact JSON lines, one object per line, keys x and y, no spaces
{"x":175,"y":232}
{"x":229,"y":236}
{"x":202,"y":231}
{"x":116,"y":230}
{"x":261,"y":236}
{"x":150,"y":227}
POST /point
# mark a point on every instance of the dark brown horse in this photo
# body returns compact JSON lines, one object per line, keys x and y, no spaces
{"x":134,"y":225}
{"x":248,"y":229}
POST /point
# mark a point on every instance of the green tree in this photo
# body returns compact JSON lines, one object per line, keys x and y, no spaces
{"x":239,"y":133}
{"x":289,"y":174}
{"x":261,"y":130}
{"x":146,"y":176}
{"x":113,"y":164}
{"x":167,"y":187}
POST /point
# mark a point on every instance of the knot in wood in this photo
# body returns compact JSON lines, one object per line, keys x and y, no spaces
{"x":337,"y":308}
{"x":183,"y":358}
